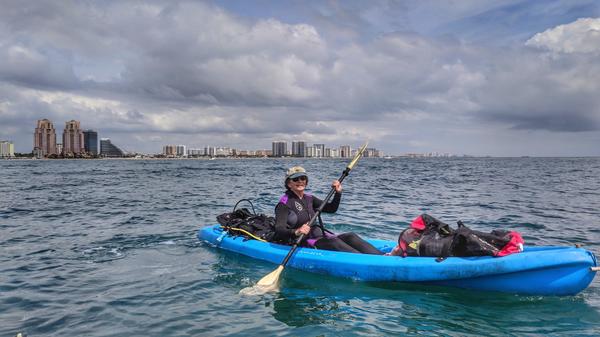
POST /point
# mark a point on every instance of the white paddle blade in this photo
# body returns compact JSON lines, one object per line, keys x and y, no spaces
{"x":266,"y":284}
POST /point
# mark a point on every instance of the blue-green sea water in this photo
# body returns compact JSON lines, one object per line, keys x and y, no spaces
{"x":109,"y":247}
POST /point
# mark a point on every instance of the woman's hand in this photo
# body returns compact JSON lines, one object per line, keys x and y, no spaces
{"x":304,"y":229}
{"x":337,"y":185}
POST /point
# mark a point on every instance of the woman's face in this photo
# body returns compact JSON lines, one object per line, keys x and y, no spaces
{"x":298,"y":184}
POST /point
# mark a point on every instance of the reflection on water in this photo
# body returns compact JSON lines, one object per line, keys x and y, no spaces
{"x":301,"y":310}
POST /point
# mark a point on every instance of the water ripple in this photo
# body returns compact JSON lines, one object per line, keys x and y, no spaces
{"x":108,"y":247}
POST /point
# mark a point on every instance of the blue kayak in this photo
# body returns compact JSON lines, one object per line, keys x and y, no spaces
{"x":545,"y":270}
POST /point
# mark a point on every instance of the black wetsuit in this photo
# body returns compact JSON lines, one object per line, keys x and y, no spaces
{"x":292,"y":212}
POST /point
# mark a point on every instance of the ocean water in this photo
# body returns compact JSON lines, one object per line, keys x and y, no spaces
{"x":109,"y":247}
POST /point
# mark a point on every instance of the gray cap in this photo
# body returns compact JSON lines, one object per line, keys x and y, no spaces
{"x":295,"y":172}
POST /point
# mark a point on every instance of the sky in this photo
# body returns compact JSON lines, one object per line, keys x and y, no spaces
{"x":498,"y":78}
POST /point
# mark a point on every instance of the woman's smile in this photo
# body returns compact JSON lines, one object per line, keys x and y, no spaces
{"x":299,"y":184}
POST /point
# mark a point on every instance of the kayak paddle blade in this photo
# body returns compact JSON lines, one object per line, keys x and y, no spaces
{"x":269,"y":283}
{"x":359,"y":154}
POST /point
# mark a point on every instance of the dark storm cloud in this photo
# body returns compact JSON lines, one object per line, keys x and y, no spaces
{"x":30,"y":67}
{"x":183,"y":51}
{"x":187,"y":51}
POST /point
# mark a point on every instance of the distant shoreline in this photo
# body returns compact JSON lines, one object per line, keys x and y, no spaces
{"x":293,"y":158}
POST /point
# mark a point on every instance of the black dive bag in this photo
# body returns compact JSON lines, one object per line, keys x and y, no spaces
{"x":242,"y":222}
{"x":428,"y":236}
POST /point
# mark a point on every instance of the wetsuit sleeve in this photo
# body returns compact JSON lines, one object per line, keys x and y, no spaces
{"x":330,"y":207}
{"x":283,"y":232}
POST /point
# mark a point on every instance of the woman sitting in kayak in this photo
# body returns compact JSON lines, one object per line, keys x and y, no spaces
{"x":296,"y":208}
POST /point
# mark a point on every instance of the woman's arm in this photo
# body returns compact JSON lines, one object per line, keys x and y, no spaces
{"x":330,"y":207}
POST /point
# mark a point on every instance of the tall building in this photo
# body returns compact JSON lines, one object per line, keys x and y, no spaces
{"x":72,"y":138}
{"x":108,"y":149}
{"x":279,"y":148}
{"x":90,"y":142}
{"x":299,"y":149}
{"x":319,"y":150}
{"x":181,"y":151}
{"x":170,"y":150}
{"x":7,"y":149}
{"x":373,"y":152}
{"x":310,"y":151}
{"x":210,"y":151}
{"x":345,"y":151}
{"x":44,"y":139}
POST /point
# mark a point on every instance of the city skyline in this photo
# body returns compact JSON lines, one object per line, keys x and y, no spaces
{"x":73,"y":144}
{"x":278,"y":149}
{"x":499,"y":78}
{"x":45,"y":131}
{"x":77,"y":142}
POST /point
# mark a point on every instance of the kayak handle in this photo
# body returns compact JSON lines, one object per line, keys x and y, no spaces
{"x":595,"y":268}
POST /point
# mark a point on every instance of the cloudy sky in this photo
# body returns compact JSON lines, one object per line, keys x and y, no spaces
{"x":501,"y":78}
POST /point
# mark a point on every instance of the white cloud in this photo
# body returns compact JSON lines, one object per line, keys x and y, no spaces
{"x":190,"y":72}
{"x":581,"y":36}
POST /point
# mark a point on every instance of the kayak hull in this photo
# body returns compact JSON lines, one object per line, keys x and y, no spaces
{"x":546,"y":270}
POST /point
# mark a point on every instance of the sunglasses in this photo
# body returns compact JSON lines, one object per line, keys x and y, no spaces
{"x":301,"y":178}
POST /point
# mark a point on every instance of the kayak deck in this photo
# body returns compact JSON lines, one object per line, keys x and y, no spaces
{"x":546,"y":270}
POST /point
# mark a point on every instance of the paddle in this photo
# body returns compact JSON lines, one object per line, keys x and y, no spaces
{"x":270,"y":281}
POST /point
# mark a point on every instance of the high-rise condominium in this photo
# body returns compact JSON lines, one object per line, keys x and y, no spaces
{"x":44,"y":138}
{"x":72,"y":138}
{"x":279,"y":148}
{"x":90,"y":142}
{"x":169,"y":150}
{"x":345,"y":151}
{"x":7,"y":149}
{"x":181,"y":151}
{"x":299,"y":149}
{"x":319,"y":150}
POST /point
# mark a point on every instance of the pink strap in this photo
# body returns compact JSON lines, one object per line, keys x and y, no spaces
{"x":418,"y":223}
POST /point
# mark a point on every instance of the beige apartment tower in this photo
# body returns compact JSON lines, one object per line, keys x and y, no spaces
{"x":44,"y":138}
{"x":72,"y":138}
{"x":7,"y":149}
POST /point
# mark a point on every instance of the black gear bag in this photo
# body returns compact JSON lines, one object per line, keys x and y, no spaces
{"x":242,"y":222}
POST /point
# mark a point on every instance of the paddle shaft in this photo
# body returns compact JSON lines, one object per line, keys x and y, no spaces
{"x":314,"y":217}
